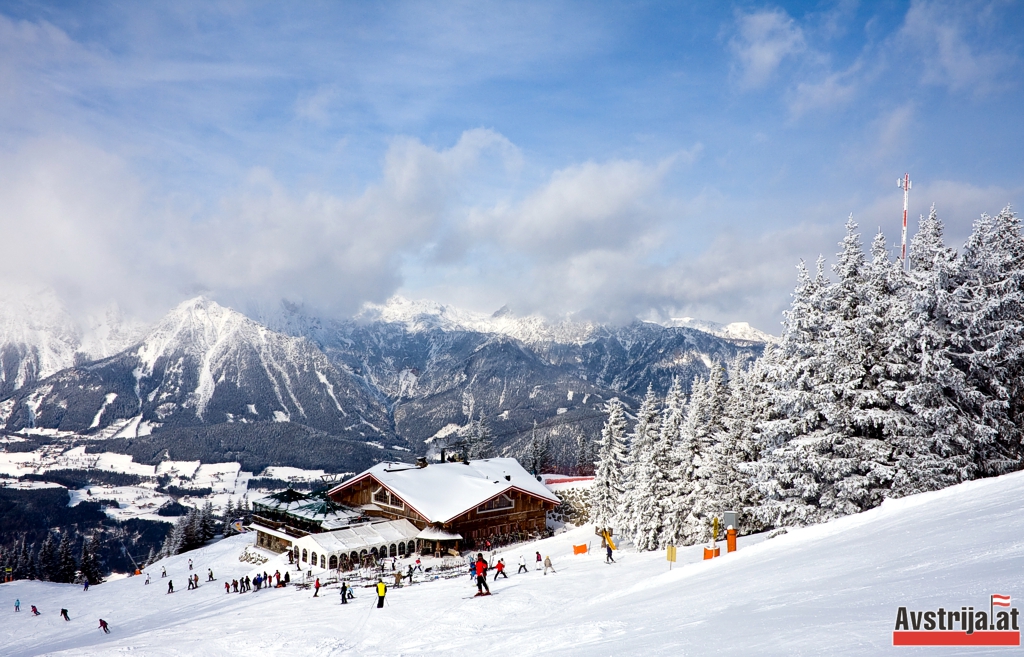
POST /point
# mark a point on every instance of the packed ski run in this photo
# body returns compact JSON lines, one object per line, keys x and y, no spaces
{"x":833,"y":588}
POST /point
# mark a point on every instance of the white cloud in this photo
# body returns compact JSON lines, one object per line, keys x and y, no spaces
{"x":836,"y":89}
{"x":764,"y":39}
{"x":948,"y":39}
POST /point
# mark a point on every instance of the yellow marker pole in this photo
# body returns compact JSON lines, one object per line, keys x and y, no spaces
{"x":670,"y":555}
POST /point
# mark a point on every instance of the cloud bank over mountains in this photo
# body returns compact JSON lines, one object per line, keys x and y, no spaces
{"x":556,"y":160}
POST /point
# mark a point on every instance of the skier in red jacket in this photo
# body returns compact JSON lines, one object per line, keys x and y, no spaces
{"x":499,"y":569}
{"x":481,"y":575}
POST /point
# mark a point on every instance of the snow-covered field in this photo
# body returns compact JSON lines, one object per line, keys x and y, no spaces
{"x":226,"y":481}
{"x":832,"y":589}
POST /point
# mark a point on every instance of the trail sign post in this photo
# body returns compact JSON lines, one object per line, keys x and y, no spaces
{"x":670,"y":555}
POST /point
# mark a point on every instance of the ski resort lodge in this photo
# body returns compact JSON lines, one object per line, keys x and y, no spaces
{"x":453,"y":504}
{"x":395,"y":509}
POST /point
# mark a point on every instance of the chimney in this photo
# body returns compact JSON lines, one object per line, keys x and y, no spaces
{"x":421,"y":461}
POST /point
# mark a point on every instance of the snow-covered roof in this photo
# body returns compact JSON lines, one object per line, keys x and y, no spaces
{"x":436,"y":534}
{"x":440,"y":492}
{"x":361,"y":537}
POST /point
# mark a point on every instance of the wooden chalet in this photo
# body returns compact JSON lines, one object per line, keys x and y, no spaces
{"x":454,"y":504}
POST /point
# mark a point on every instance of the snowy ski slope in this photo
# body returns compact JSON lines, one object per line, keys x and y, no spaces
{"x":832,"y":589}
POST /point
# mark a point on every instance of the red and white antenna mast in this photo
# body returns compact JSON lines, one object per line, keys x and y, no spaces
{"x":904,"y":184}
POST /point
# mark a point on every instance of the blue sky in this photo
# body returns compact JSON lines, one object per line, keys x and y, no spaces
{"x":615,"y":160}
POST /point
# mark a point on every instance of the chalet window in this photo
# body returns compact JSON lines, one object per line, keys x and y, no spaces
{"x":323,"y":561}
{"x":401,"y":549}
{"x":393,"y":550}
{"x":500,"y":503}
{"x":333,"y":563}
{"x":312,"y":558}
{"x":305,"y":555}
{"x":387,"y":498}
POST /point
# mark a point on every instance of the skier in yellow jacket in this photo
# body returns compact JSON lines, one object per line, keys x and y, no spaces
{"x":382,"y":590}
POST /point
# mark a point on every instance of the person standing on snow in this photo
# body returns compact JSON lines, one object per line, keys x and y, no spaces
{"x":190,"y":564}
{"x":500,"y":570}
{"x":398,"y":579}
{"x":227,"y":587}
{"x":539,"y":561}
{"x":522,"y":565}
{"x":85,"y":587}
{"x":209,"y":576}
{"x":170,"y":586}
{"x":147,"y":578}
{"x":608,"y":558}
{"x":17,"y":605}
{"x":344,"y":593}
{"x":104,"y":627}
{"x":382,"y":590}
{"x":481,"y":575}
{"x":316,"y":587}
{"x":163,"y":571}
{"x":547,"y":564}
{"x":64,"y":614}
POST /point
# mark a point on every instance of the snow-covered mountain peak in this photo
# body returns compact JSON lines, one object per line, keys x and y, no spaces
{"x":733,"y":331}
{"x":423,"y":315}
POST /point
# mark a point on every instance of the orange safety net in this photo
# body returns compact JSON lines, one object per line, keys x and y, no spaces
{"x":579,"y":549}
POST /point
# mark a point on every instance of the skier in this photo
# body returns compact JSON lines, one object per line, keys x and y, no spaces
{"x":103,"y":626}
{"x":522,"y":565}
{"x":189,"y":587}
{"x":398,"y":579}
{"x":248,"y":583}
{"x":500,"y":570}
{"x":209,"y":577}
{"x":190,"y":564}
{"x":344,"y":593}
{"x":539,"y":561}
{"x":234,"y":585}
{"x":287,"y":578}
{"x":547,"y":564}
{"x":316,"y":587}
{"x":277,"y":574}
{"x":481,"y":575}
{"x":64,"y":614}
{"x":17,"y":605}
{"x":419,"y":566}
{"x":608,"y":558}
{"x":409,"y":576}
{"x":163,"y":571}
{"x":147,"y":578}
{"x":170,"y":586}
{"x":85,"y":587}
{"x":382,"y":590}
{"x":227,"y":587}
{"x":35,"y":612}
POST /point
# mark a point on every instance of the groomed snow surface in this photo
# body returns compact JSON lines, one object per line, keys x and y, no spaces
{"x":832,"y":589}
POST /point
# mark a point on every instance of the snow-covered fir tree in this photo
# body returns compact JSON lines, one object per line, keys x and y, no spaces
{"x":671,"y":483}
{"x":478,"y":439}
{"x":641,"y":511}
{"x":701,"y":469}
{"x":607,"y":488}
{"x":985,"y":307}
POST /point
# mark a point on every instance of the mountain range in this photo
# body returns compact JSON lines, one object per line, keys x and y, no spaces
{"x":398,"y":376}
